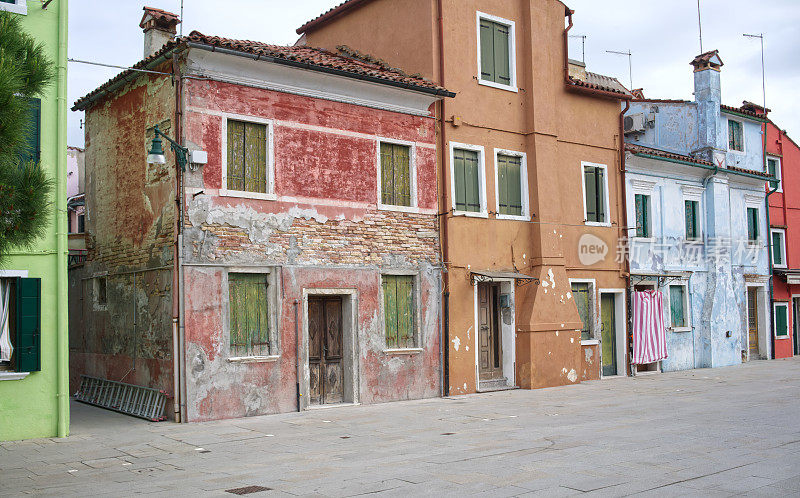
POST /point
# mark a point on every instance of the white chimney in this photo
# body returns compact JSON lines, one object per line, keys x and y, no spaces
{"x":159,"y":27}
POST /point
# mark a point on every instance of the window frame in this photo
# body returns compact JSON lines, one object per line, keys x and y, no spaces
{"x":728,"y":136}
{"x":270,"y":163}
{"x":523,"y":178}
{"x":775,"y":306}
{"x":483,"y":212}
{"x":753,"y":241}
{"x":607,"y":210}
{"x":594,"y":327}
{"x":782,"y":233}
{"x":18,"y":7}
{"x":694,"y":193}
{"x":8,"y":369}
{"x":412,"y":171}
{"x":778,"y":172}
{"x":415,"y":320}
{"x":273,"y":307}
{"x":512,"y":51}
{"x":648,"y":216}
{"x":687,"y":312}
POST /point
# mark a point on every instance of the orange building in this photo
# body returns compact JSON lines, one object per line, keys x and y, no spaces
{"x":530,"y":187}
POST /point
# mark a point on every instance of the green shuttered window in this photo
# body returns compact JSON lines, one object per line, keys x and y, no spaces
{"x":398,"y":310}
{"x":247,"y":156}
{"x":467,"y":180}
{"x":594,"y":182}
{"x":509,"y":184}
{"x":778,"y":257}
{"x":691,"y":213}
{"x":642,"y":202}
{"x":495,"y":52}
{"x":395,"y":174}
{"x":735,"y":140}
{"x":249,"y":314}
{"x":752,"y":224}
{"x":33,"y":133}
{"x":774,"y":171}
{"x":27,"y":322}
{"x":781,"y":320}
{"x":677,"y":306}
{"x":580,"y":293}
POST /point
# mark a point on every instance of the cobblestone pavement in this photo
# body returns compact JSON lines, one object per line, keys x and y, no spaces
{"x":704,"y":432}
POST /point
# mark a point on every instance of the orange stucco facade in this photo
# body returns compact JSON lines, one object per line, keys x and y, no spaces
{"x":558,"y":130}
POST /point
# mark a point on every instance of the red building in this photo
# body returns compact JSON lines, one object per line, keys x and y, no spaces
{"x":294,"y":262}
{"x":783,"y":161}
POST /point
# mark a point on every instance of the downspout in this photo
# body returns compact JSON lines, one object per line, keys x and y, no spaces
{"x":297,"y":355}
{"x":443,"y":219}
{"x":179,"y":135}
{"x":62,"y":375}
{"x":769,"y":245}
{"x":624,"y":229}
{"x":178,"y":354}
{"x":568,"y":13}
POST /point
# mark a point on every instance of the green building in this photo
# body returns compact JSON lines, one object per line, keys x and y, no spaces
{"x":34,"y":401}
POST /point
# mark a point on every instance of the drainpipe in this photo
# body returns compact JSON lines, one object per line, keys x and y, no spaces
{"x":443,"y":220}
{"x":624,"y":227}
{"x":297,"y":349}
{"x":62,"y":375}
{"x":769,"y":244}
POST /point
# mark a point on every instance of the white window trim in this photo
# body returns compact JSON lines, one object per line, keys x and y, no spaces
{"x":651,"y":237}
{"x":412,"y":164}
{"x":728,"y":136}
{"x":607,"y":214}
{"x":18,"y":7}
{"x":273,"y":304}
{"x":777,"y":172}
{"x":512,"y":51}
{"x":782,"y":233}
{"x":775,"y":306}
{"x":523,"y":178}
{"x":270,"y":166}
{"x":416,"y":319}
{"x":594,"y":327}
{"x":760,"y":234}
{"x":642,"y":187}
{"x":687,"y":310}
{"x":481,"y":180}
{"x":698,"y":199}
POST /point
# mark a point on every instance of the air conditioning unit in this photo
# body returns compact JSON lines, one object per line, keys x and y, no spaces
{"x":635,"y":123}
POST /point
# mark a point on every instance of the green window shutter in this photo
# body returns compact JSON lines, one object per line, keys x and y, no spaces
{"x":502,"y":61}
{"x":772,"y":169}
{"x":247,"y":156}
{"x":601,"y":195}
{"x":777,"y":249}
{"x":235,"y":155}
{"x":28,"y":320}
{"x":249,"y":314}
{"x":33,"y":132}
{"x":580,"y":294}
{"x":387,"y":175}
{"x":735,"y":135}
{"x":509,"y":177}
{"x":676,"y":302}
{"x":460,"y":174}
{"x":690,"y":212}
{"x":465,"y":168}
{"x":642,"y":215}
{"x":487,"y":51}
{"x":502,"y":183}
{"x":752,"y":224}
{"x":390,"y":310}
{"x":405,"y":311}
{"x":590,"y":181}
{"x":781,"y":320}
{"x":401,"y":167}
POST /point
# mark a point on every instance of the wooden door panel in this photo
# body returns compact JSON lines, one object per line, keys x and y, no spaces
{"x":752,"y":322}
{"x":333,"y":382}
{"x":333,"y":329}
{"x":314,"y":383}
{"x":325,"y":347}
{"x":315,"y":329}
{"x":608,"y":334}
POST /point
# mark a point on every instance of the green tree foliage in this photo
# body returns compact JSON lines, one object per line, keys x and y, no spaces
{"x":25,"y":71}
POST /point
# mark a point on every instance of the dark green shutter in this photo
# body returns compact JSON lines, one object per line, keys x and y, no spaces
{"x":395,"y":174}
{"x":752,"y":224}
{"x":772,"y":169}
{"x":676,"y":305}
{"x":398,"y":310}
{"x":502,"y":61}
{"x":390,"y":310}
{"x":33,"y":132}
{"x":580,"y":294}
{"x":594,"y":179}
{"x":465,"y":169}
{"x":777,"y":249}
{"x":235,"y":155}
{"x":509,"y":188}
{"x":28,"y":320}
{"x":247,"y":156}
{"x":601,"y":195}
{"x":642,"y":215}
{"x":387,"y":175}
{"x":781,"y":321}
{"x":249,"y":314}
{"x":487,"y":51}
{"x":690,"y":213}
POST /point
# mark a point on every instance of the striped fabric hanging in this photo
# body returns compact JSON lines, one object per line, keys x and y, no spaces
{"x":649,"y":343}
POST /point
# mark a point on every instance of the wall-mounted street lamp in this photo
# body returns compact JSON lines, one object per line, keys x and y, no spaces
{"x":156,"y":154}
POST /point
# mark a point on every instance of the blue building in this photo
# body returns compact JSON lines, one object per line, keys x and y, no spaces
{"x":697,"y":222}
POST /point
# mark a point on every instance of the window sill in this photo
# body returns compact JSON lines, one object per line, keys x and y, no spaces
{"x":471,"y":214}
{"x":512,"y":217}
{"x":590,"y":342}
{"x":779,"y":337}
{"x":253,"y":359}
{"x":20,"y":8}
{"x":402,"y":209}
{"x":247,"y":195}
{"x":597,"y":223}
{"x":681,"y":329}
{"x":643,"y":239}
{"x":499,"y":86}
{"x":780,"y":267}
{"x":402,"y":351}
{"x":13,"y":375}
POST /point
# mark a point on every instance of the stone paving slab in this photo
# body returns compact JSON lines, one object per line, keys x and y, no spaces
{"x":720,"y":432}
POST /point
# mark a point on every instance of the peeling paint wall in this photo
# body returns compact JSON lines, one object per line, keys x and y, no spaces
{"x":322,"y":231}
{"x":129,"y":226}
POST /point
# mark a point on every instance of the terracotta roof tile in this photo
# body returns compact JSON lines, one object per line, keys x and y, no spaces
{"x":641,"y":149}
{"x":602,"y":87}
{"x":309,"y":57}
{"x":604,"y":81}
{"x":740,"y":110}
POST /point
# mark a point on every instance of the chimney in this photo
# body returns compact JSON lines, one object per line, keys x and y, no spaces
{"x":708,"y":95}
{"x":159,"y":27}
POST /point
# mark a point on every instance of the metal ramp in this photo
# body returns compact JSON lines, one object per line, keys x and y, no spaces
{"x":142,"y":402}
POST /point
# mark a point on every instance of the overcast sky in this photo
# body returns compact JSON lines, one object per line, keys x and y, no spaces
{"x":662,"y":35}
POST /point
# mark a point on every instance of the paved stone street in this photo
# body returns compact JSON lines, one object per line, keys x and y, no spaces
{"x":705,"y":432}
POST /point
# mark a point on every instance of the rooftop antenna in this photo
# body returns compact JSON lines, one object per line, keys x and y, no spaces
{"x":583,"y":46}
{"x":630,"y":64}
{"x":700,"y":26}
{"x":760,"y":36}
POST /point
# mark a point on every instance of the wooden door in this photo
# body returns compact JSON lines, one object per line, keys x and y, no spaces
{"x":325,"y":350}
{"x":490,"y":343}
{"x":795,"y":328}
{"x":752,"y":323}
{"x":608,"y":333}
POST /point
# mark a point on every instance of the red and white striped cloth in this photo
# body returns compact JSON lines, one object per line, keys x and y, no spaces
{"x":649,"y":343}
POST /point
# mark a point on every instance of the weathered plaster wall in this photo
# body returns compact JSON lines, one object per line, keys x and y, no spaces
{"x":323,"y":230}
{"x":129,"y":225}
{"x":675,"y":129}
